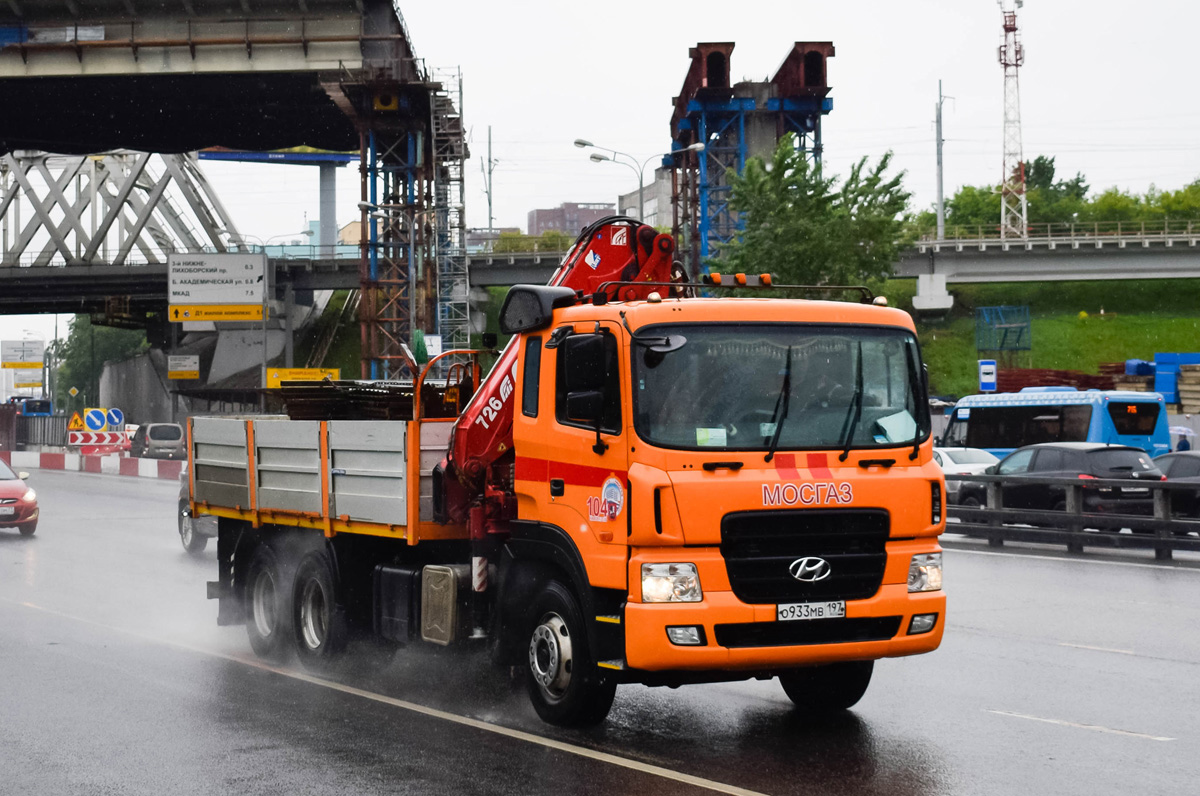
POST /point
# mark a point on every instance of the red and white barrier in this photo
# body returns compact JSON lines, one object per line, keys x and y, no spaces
{"x":112,"y":464}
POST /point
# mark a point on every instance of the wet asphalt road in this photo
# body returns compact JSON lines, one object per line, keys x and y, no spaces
{"x":1056,"y":677}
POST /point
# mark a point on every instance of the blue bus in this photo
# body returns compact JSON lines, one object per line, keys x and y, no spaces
{"x":32,"y":407}
{"x":1002,"y":422}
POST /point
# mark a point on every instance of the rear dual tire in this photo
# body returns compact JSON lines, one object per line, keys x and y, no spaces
{"x":268,"y":609}
{"x":320,"y":632}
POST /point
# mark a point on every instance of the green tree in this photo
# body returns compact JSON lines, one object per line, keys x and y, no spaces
{"x":807,"y":228}
{"x":552,"y":240}
{"x":86,"y":350}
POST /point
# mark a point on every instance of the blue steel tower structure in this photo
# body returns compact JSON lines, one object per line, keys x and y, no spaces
{"x":735,"y":122}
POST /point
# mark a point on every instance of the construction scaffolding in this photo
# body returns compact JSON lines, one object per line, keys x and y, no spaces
{"x":736,"y":122}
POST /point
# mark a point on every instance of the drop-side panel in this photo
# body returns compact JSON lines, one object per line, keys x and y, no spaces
{"x":435,"y":440}
{"x":288,"y":464}
{"x":221,"y":462}
{"x":367,"y":466}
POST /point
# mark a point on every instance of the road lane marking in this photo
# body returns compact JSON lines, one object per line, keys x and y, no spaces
{"x":1076,"y":725}
{"x":519,"y":735}
{"x":1097,"y":649}
{"x":1136,"y":565}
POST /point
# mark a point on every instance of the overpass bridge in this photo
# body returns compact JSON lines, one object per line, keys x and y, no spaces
{"x":128,"y":79}
{"x":1050,"y":253}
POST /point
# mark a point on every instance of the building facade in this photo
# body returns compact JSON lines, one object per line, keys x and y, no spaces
{"x":569,"y":217}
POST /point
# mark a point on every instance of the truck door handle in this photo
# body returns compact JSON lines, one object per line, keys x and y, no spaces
{"x":710,"y":466}
{"x":556,"y":487}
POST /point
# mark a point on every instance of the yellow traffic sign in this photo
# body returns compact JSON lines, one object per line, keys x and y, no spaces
{"x":73,"y":392}
{"x":277,"y":375}
{"x":183,"y":313}
{"x":24,"y":385}
{"x":22,"y":365}
{"x":75,"y":423}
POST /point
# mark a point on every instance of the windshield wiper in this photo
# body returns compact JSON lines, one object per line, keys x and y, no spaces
{"x":781,"y":405}
{"x":855,"y":413}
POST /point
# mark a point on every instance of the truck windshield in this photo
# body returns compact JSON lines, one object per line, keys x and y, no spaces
{"x":723,"y":388}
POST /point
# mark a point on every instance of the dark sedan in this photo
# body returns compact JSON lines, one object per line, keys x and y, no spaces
{"x":1183,"y":467}
{"x":1086,"y":461}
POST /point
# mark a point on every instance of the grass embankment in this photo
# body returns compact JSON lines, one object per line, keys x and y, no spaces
{"x":1139,"y":319}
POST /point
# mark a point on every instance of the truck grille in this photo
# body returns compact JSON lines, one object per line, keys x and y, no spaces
{"x":760,"y":546}
{"x":823,"y":631}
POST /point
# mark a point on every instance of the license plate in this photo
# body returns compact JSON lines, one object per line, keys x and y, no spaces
{"x":788,"y":612}
{"x":8,"y":509}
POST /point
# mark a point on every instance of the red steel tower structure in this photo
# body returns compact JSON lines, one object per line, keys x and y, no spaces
{"x":1013,"y":214}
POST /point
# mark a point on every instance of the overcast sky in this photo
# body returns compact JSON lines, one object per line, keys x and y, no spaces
{"x":1104,"y":89}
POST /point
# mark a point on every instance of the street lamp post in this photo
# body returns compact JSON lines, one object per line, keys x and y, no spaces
{"x":639,"y":168}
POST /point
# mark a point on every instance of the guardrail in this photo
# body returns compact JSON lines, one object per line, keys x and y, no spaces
{"x":1064,"y":232}
{"x":1161,"y":531}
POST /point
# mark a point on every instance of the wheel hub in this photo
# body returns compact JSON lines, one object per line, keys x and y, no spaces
{"x":550,"y":655}
{"x":314,"y":619}
{"x":263,"y":604}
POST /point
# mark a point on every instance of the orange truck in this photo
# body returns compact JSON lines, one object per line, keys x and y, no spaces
{"x":650,"y":486}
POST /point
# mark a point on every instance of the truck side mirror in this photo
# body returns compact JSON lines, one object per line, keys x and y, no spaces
{"x":585,"y":406}
{"x":586,"y":363}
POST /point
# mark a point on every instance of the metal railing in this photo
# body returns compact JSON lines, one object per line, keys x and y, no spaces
{"x":1065,"y":232}
{"x":41,"y":430}
{"x":1161,"y":530}
{"x":340,"y":251}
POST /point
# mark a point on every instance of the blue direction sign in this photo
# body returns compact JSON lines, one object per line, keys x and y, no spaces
{"x":116,"y":418}
{"x":95,"y":420}
{"x":987,"y":375}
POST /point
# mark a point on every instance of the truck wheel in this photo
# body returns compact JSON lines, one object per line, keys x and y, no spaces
{"x":266,"y":605}
{"x":192,"y":541}
{"x":970,"y":502}
{"x":824,"y":689}
{"x":320,"y":628}
{"x":564,"y":684}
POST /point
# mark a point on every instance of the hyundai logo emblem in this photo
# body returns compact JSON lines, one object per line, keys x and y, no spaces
{"x":810,"y":570}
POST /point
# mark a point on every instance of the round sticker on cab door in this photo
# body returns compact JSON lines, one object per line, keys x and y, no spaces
{"x":608,"y":505}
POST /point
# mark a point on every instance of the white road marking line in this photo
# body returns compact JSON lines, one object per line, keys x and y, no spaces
{"x":519,"y":735}
{"x":1159,"y":567}
{"x":1097,"y":649}
{"x":1092,"y":727}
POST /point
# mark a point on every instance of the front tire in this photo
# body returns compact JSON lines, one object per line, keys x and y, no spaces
{"x":320,"y":632}
{"x":192,"y":542}
{"x":28,"y":528}
{"x":828,"y":688}
{"x":267,"y":606}
{"x":564,"y":683}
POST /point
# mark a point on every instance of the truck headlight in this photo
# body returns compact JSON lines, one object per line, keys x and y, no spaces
{"x":670,"y":583}
{"x":925,"y":572}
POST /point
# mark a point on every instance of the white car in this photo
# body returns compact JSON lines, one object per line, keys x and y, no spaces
{"x":961,"y":461}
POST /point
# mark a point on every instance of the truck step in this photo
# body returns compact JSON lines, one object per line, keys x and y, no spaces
{"x":611,"y":619}
{"x":619,"y":665}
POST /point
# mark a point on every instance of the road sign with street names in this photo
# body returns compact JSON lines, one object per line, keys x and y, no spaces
{"x":185,"y":313}
{"x":216,"y":287}
{"x":22,"y":354}
{"x":275,"y":376}
{"x":183,"y":366}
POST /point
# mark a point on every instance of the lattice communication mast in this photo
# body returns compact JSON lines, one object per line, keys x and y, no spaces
{"x":1014,"y":217}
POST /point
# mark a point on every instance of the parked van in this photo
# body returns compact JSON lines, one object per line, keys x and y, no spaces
{"x":158,"y":441}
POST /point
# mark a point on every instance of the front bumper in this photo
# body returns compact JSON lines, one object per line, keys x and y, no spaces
{"x":25,"y":513}
{"x":876,"y":627}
